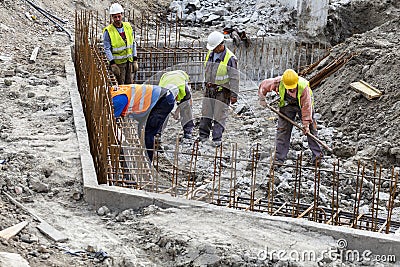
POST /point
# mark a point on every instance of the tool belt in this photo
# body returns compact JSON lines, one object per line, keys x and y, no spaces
{"x":213,"y":89}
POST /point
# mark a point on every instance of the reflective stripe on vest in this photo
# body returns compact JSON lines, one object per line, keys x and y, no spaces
{"x":301,"y":85}
{"x":121,"y":51}
{"x":221,"y":76}
{"x":141,"y":97}
{"x":177,"y":78}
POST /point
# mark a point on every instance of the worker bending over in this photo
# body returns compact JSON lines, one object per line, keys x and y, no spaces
{"x":295,"y":97}
{"x":148,"y":104}
{"x":177,"y":82}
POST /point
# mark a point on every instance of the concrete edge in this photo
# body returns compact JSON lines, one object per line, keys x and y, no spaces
{"x":119,"y":198}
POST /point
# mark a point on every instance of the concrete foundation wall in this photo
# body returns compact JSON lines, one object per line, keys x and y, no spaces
{"x":312,"y":14}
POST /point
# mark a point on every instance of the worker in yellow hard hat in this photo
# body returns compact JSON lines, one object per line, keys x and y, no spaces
{"x":295,"y":97}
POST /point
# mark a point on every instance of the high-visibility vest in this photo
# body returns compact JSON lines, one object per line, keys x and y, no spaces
{"x":221,"y":76}
{"x":177,"y":78}
{"x":141,"y":97}
{"x":121,"y":51}
{"x":301,"y":85}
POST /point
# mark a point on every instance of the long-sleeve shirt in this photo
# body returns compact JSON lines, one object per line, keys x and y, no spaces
{"x":272,"y":84}
{"x":108,"y":47}
{"x":233,"y":72}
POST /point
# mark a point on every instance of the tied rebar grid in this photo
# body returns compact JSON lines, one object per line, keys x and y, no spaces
{"x":114,"y":164}
{"x":120,"y":160}
{"x":160,"y":47}
{"x":259,"y":193}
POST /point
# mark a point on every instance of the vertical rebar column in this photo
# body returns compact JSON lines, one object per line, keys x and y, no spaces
{"x":377,"y":197}
{"x":393,"y":191}
{"x":215,"y":174}
{"x":271,"y":183}
{"x":219,"y":175}
{"x":373,"y":199}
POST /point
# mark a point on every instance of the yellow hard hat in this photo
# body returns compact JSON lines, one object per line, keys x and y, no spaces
{"x":290,"y":79}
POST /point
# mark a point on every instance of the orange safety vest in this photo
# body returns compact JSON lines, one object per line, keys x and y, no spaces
{"x":141,"y":97}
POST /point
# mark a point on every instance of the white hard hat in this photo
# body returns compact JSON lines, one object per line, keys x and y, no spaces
{"x":116,"y":9}
{"x":214,"y":39}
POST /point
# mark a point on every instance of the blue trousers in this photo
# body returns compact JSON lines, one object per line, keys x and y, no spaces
{"x":155,"y":121}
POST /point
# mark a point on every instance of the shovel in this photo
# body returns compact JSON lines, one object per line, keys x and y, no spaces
{"x":298,"y":126}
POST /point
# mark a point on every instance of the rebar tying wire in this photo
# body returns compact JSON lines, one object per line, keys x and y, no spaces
{"x":51,"y":17}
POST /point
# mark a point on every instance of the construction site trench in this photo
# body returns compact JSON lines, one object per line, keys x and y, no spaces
{"x":198,"y":205}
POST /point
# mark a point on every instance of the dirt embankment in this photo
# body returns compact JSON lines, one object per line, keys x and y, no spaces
{"x":369,"y":126}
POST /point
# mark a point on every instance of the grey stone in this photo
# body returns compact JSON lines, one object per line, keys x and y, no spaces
{"x":207,"y":260}
{"x":39,"y":186}
{"x":104,"y":210}
{"x":7,"y":82}
{"x":30,"y":94}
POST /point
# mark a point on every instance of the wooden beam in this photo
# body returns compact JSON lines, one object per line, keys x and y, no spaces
{"x":34,"y":54}
{"x":44,"y":227}
{"x":306,"y":211}
{"x":12,"y":231}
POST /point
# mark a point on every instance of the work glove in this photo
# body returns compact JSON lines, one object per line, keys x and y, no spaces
{"x":115,"y":69}
{"x":233,"y":99}
{"x":135,"y":66}
{"x":306,"y":129}
{"x":263,"y":103}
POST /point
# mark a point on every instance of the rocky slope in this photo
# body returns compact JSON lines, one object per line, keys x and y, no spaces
{"x":369,"y":126}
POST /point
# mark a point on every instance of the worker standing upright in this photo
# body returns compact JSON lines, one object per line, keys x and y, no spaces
{"x":295,"y":97}
{"x":150,"y":105}
{"x":120,"y":46}
{"x":221,"y":87}
{"x":177,"y":81}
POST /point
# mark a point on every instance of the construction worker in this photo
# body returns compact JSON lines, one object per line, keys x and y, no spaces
{"x":120,"y":46}
{"x":295,"y":97}
{"x":150,"y":105}
{"x":177,"y":81}
{"x":221,"y":87}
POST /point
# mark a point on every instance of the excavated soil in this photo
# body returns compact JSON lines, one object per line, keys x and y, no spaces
{"x":39,"y":157}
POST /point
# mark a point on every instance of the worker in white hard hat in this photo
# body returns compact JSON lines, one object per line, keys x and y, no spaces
{"x":120,"y":46}
{"x":295,"y":98}
{"x":221,"y":88}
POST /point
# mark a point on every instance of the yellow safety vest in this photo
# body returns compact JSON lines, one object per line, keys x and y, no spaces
{"x":301,"y":85}
{"x":221,"y":76}
{"x":121,"y":51}
{"x":177,"y":78}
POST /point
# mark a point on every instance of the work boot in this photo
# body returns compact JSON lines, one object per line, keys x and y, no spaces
{"x":187,"y":136}
{"x":217,"y":143}
{"x":201,"y":139}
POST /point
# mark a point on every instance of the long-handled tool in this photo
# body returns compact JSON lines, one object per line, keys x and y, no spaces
{"x":298,"y":126}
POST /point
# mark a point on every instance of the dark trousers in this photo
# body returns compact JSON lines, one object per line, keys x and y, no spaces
{"x":214,"y":113}
{"x":284,"y":133}
{"x":155,"y":121}
{"x":126,"y":73}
